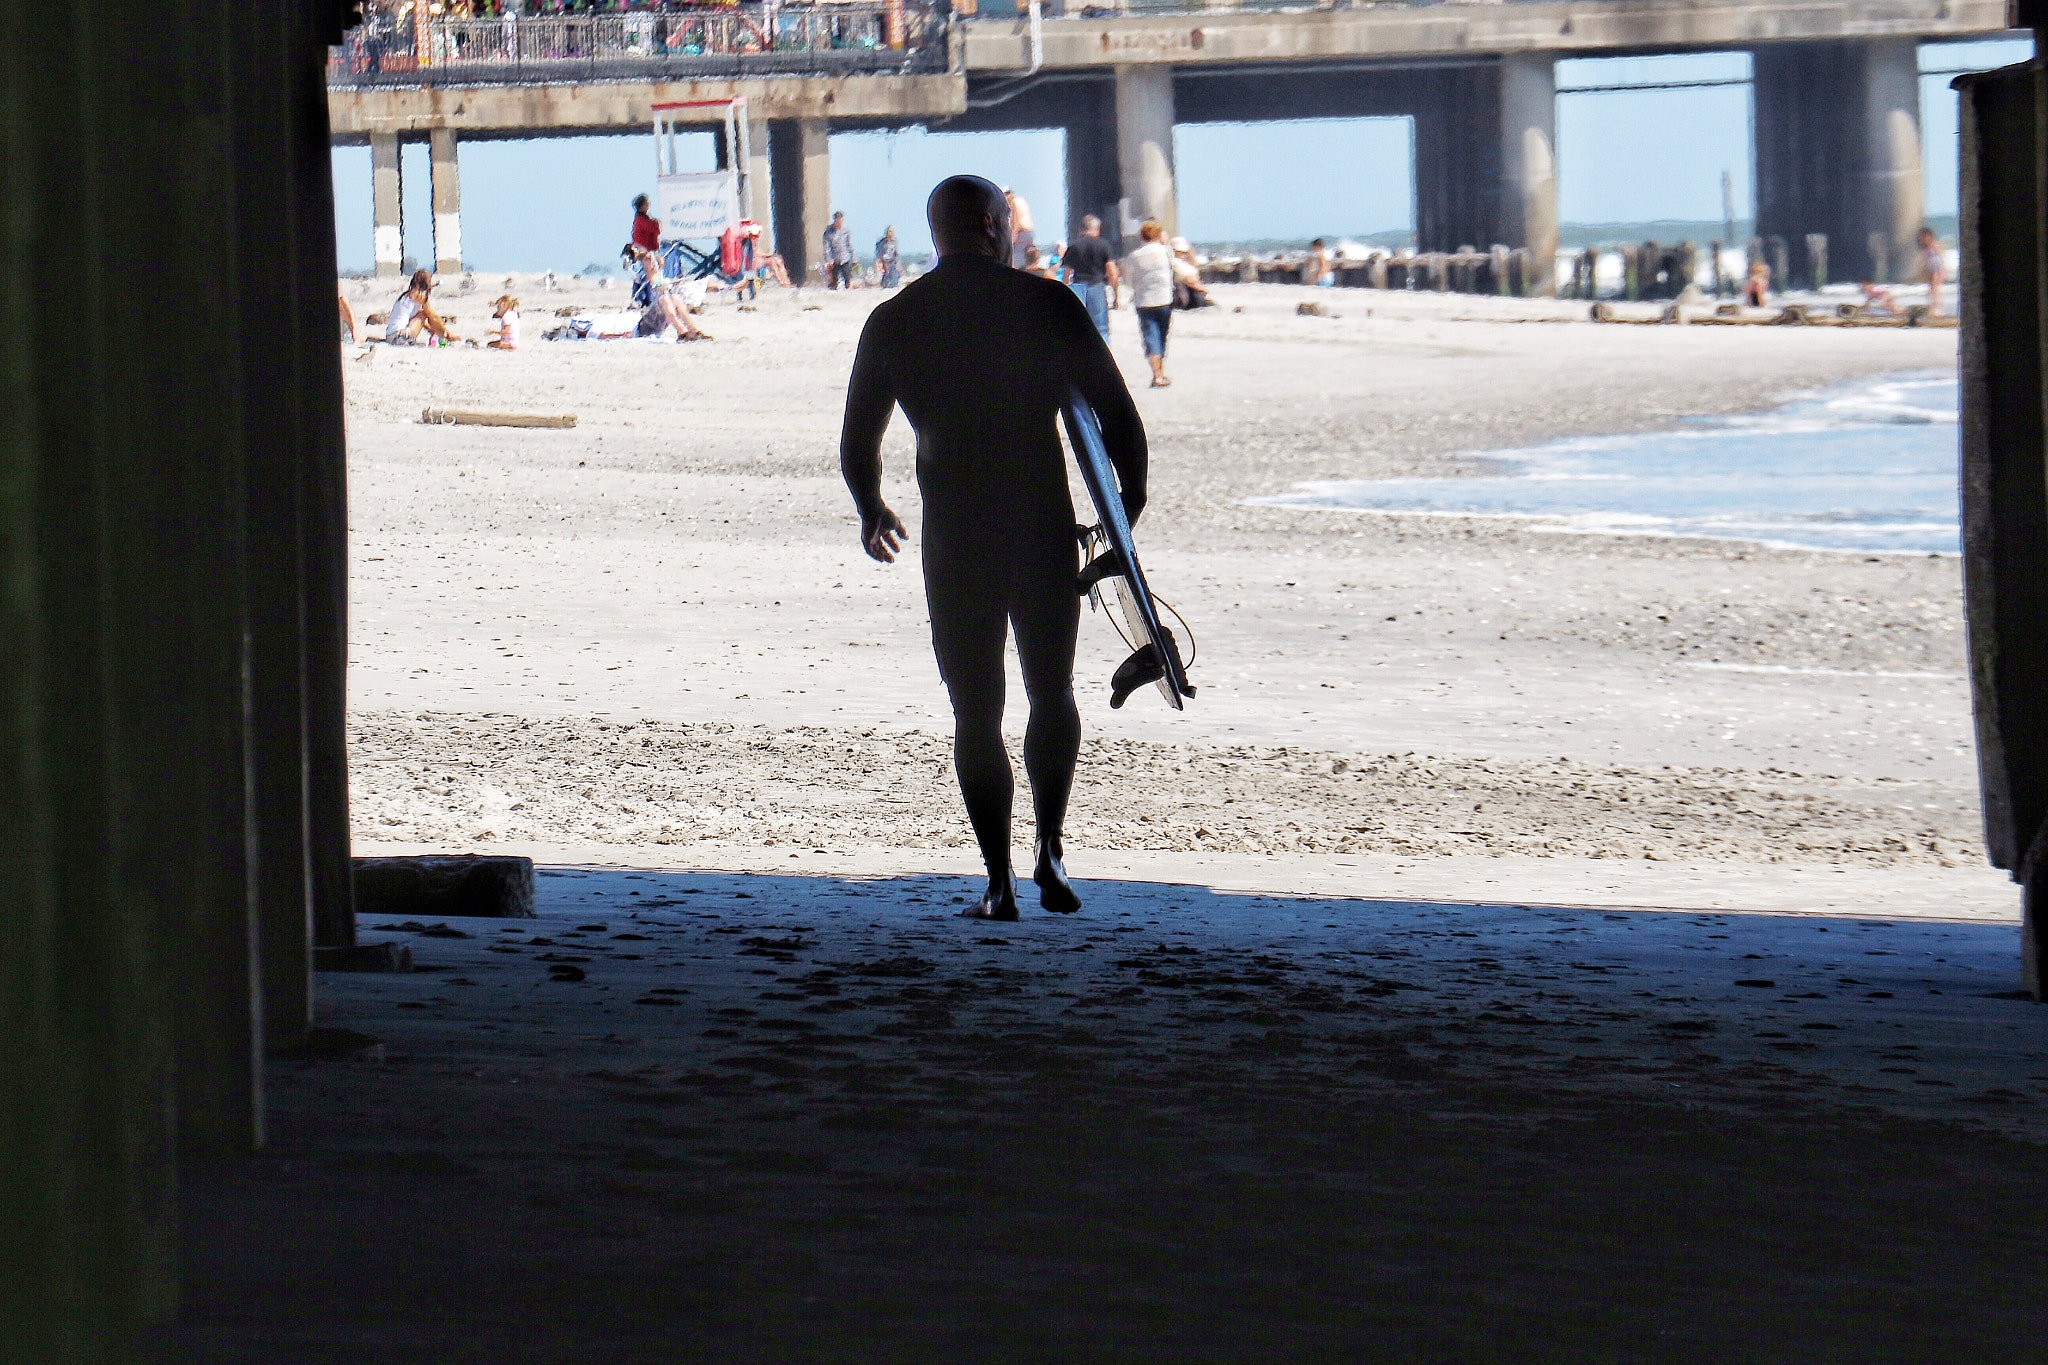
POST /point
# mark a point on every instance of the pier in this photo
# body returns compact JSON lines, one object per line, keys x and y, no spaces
{"x":1836,"y":126}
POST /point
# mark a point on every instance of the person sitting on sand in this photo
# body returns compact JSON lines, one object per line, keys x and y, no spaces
{"x":1756,"y":290}
{"x":412,"y":314}
{"x":1188,"y":290}
{"x":506,"y":311}
{"x":1878,"y":300}
{"x":1933,"y":268}
{"x":665,"y":303}
{"x":771,"y":261}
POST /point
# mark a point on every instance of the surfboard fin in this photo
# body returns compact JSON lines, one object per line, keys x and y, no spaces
{"x":1144,"y":666}
{"x":1133,"y":673}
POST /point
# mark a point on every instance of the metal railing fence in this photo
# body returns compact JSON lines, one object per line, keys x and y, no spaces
{"x":754,"y":39}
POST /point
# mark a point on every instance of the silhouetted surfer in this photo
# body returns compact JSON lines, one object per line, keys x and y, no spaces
{"x":980,"y":356}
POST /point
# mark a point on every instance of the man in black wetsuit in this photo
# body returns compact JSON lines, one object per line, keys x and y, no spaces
{"x":981,"y":357}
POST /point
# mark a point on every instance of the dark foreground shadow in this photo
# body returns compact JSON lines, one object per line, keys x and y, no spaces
{"x":793,"y":1118}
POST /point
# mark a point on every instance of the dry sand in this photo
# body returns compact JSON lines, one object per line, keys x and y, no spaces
{"x":752,"y":1092}
{"x":678,"y":577}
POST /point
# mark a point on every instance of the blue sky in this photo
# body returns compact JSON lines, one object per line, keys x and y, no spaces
{"x":1623,"y":156}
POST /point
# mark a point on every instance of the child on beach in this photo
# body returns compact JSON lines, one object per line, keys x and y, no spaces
{"x":506,"y":311}
{"x":1756,"y":290}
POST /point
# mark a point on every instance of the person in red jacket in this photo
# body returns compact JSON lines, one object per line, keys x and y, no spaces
{"x":646,"y":228}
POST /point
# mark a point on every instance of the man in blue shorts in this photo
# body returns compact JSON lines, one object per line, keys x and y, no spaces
{"x":1090,"y":267}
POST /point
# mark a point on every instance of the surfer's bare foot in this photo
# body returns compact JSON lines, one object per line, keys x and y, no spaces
{"x":998,"y":902}
{"x":1055,"y":892}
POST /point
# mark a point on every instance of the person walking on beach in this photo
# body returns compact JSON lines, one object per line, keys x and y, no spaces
{"x":981,"y":357}
{"x":1090,"y":267}
{"x":1319,"y":270}
{"x":888,"y":260}
{"x":1934,"y":265}
{"x":1022,"y":235}
{"x":1150,"y":268}
{"x":838,"y":254}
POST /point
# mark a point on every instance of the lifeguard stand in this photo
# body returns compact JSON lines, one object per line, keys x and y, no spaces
{"x":696,"y":207}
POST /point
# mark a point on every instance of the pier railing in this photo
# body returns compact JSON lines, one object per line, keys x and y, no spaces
{"x":741,"y":40}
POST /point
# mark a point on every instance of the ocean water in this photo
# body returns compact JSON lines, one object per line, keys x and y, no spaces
{"x":1866,"y":466}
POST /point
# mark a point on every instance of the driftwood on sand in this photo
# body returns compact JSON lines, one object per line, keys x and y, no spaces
{"x":466,"y":417}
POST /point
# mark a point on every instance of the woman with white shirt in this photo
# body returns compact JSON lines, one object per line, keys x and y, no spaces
{"x":1149,"y":273}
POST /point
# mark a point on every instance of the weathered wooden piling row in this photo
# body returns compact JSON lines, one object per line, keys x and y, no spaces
{"x":1791,"y":315}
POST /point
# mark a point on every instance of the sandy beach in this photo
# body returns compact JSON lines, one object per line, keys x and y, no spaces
{"x":656,"y":633}
{"x":1528,"y":946}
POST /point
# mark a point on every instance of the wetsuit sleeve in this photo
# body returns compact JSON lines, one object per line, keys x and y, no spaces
{"x":1102,"y":384}
{"x":870,"y":397}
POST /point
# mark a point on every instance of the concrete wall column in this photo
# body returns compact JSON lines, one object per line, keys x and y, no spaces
{"x":1093,"y":178}
{"x":1528,"y":153}
{"x":801,"y":167}
{"x":387,"y":198}
{"x":760,"y":205}
{"x":1838,"y":152}
{"x":278,"y":379}
{"x":2005,"y":476}
{"x":1144,"y":142}
{"x":447,"y":202}
{"x":1896,"y":189}
{"x":1457,"y":113}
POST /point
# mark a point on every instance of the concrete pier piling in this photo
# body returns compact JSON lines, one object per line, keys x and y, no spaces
{"x":800,"y":160}
{"x":1528,"y":150}
{"x":387,"y":200}
{"x":1838,"y":151}
{"x":2004,"y":475}
{"x":1144,"y":143}
{"x":447,"y":202}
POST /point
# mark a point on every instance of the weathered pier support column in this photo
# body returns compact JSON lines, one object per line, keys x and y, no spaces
{"x":2005,"y":475}
{"x":1528,"y":153}
{"x":146,"y":502}
{"x":800,"y":159}
{"x":1458,"y":122}
{"x":387,"y":198}
{"x":1838,"y":151}
{"x":1144,"y":142}
{"x":760,"y":205}
{"x":447,"y":202}
{"x":1895,"y":180}
{"x":1094,"y":182}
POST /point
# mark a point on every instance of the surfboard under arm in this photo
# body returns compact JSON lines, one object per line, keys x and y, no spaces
{"x":1157,"y":658}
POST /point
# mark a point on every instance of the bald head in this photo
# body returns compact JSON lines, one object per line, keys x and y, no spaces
{"x":969,"y":217}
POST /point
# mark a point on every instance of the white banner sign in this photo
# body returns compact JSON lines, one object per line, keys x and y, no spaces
{"x":698,"y":206}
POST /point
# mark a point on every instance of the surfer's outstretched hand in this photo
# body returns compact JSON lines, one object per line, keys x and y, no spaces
{"x":882,"y":534}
